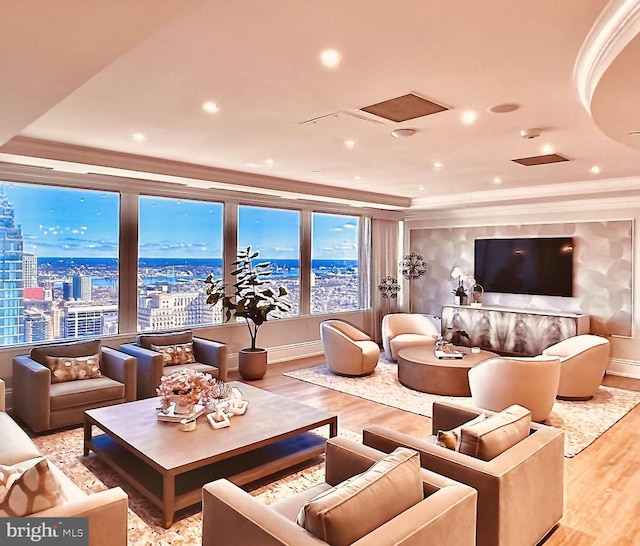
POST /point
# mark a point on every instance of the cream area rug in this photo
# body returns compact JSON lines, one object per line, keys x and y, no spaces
{"x":582,"y":422}
{"x":145,"y":520}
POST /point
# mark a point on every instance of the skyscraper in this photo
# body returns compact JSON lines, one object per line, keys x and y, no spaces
{"x":11,"y":282}
{"x":30,"y":270}
{"x":81,"y":287}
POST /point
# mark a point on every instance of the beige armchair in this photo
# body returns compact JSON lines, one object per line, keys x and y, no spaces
{"x":348,"y":350}
{"x":446,"y":515}
{"x":400,"y":330}
{"x":520,"y":491}
{"x":583,"y":363}
{"x":43,"y":404}
{"x":531,"y":382}
{"x":164,"y":353}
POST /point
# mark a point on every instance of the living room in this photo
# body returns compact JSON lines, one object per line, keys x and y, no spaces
{"x":101,"y":108}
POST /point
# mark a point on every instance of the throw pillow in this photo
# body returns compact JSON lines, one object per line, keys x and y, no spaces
{"x":180,"y":353}
{"x":357,"y":506}
{"x":29,"y":490}
{"x":493,"y":436}
{"x":67,"y":368}
{"x":451,"y":438}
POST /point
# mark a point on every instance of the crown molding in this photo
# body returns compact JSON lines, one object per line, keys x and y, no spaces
{"x":616,"y":26}
{"x":537,"y":195}
{"x":597,"y":209}
{"x":240,"y":181}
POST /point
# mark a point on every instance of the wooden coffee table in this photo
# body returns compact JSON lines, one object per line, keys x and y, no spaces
{"x":421,"y":370}
{"x":170,"y":466}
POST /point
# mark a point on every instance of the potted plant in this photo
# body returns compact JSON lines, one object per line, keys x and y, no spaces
{"x":459,"y":292}
{"x":253,"y":299}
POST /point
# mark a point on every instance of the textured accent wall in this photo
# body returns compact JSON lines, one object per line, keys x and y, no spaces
{"x":602,"y":270}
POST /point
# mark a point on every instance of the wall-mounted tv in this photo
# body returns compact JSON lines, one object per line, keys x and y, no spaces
{"x":537,"y":266}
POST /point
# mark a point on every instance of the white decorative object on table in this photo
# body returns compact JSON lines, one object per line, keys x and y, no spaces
{"x":237,"y":406}
{"x":188,"y":425}
{"x":218,"y":419}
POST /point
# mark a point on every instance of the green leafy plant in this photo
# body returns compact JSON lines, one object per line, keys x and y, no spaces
{"x":253,"y":298}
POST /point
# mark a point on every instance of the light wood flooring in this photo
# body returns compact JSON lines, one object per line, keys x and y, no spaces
{"x":602,"y":483}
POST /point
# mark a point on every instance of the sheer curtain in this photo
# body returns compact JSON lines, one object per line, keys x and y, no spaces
{"x":384,"y":263}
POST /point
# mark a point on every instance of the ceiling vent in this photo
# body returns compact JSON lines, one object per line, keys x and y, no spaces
{"x":540,"y":160}
{"x":404,"y":108}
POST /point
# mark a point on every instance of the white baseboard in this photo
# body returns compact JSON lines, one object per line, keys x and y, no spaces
{"x":283,"y":353}
{"x":624,"y":368}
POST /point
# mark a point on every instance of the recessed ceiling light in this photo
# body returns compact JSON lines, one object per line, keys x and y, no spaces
{"x":315,"y":172}
{"x":468,"y":117}
{"x":548,"y":149}
{"x":504,"y":108}
{"x":403,"y":133}
{"x":357,"y":178}
{"x":139,"y":137}
{"x":595,"y":170}
{"x":330,"y":58}
{"x":210,"y":107}
{"x":269,"y":162}
{"x":497,"y":180}
{"x":438,"y":165}
{"x":420,"y":188}
{"x":350,"y":143}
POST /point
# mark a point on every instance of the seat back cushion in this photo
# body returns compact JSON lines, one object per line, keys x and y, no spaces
{"x":489,"y":438}
{"x":75,"y":349}
{"x":171,"y":338}
{"x":352,"y":509}
{"x":25,"y":491}
{"x":451,"y":438}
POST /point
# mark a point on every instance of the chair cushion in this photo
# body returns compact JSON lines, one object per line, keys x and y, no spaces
{"x":25,"y":491}
{"x":75,"y":349}
{"x":489,"y":438}
{"x":71,"y":368}
{"x":352,"y":509}
{"x":196,"y":366}
{"x":180,"y":353}
{"x":451,"y":438}
{"x":71,"y":394}
{"x":171,"y":338}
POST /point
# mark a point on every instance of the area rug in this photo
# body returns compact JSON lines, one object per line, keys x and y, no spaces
{"x":145,"y":520}
{"x":582,"y":422}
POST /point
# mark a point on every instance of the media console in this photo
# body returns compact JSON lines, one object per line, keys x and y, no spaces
{"x":515,"y":332}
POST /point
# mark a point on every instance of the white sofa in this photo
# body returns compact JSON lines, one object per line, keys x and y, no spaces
{"x":106,"y":510}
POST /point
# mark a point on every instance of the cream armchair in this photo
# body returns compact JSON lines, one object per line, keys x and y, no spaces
{"x":531,"y":382}
{"x":446,"y":515}
{"x":520,"y":491}
{"x":400,"y":330}
{"x":583,"y":363}
{"x":348,"y":350}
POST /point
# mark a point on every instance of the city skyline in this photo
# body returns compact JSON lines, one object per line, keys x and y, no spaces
{"x":173,"y":228}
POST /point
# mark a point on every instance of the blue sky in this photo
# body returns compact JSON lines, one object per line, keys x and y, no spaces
{"x":63,"y":222}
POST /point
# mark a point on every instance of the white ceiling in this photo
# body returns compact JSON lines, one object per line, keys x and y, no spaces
{"x":76,"y":75}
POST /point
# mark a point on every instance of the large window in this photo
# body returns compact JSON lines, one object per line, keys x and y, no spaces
{"x":334,"y":263}
{"x":59,"y":264}
{"x":275,"y":233}
{"x":180,"y":243}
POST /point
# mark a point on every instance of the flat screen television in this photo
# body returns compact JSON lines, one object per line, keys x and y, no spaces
{"x":537,"y":266}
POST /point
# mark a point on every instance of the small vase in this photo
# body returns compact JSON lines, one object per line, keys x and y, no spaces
{"x":457,"y":300}
{"x":183,"y":405}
